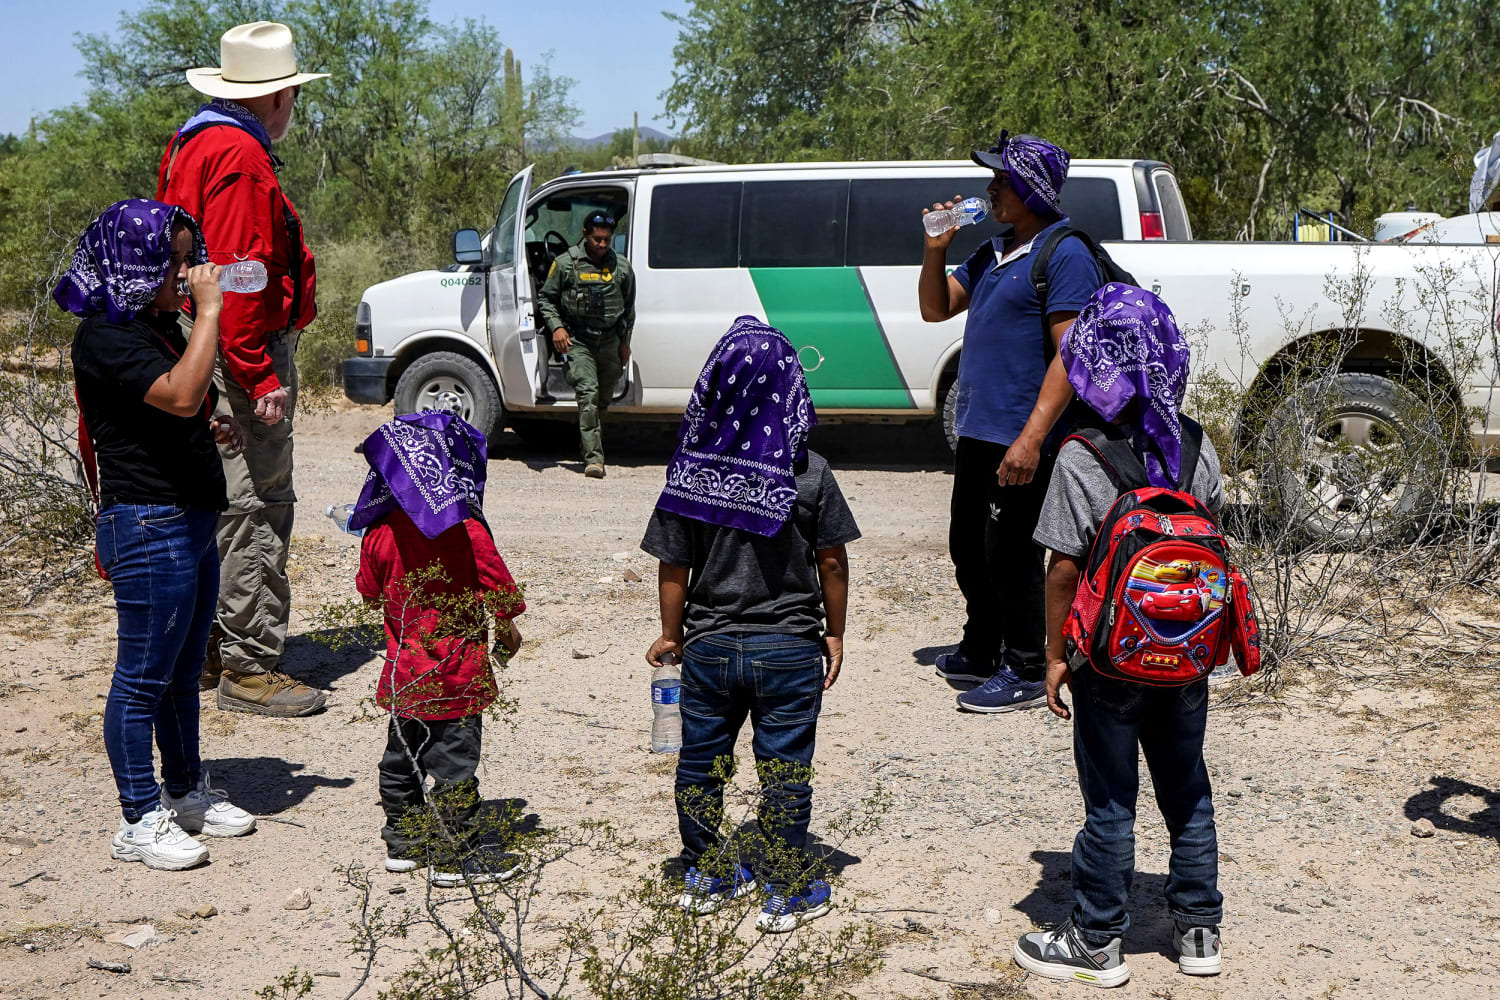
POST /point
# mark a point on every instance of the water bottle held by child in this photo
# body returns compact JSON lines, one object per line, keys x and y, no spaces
{"x":666,"y":706}
{"x":340,"y":516}
{"x":241,"y":276}
{"x":965,"y":213}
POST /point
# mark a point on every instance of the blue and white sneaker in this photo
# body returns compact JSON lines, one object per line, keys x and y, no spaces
{"x":958,"y":667}
{"x":703,"y":893}
{"x":1004,"y":692}
{"x":784,"y":913}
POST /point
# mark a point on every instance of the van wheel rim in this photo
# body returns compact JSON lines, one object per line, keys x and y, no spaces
{"x":447,"y":395}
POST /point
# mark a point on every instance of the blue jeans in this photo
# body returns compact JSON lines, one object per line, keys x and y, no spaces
{"x":1110,"y":718}
{"x":163,"y":562}
{"x":777,"y":680}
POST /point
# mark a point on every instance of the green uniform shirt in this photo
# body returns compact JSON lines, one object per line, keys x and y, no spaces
{"x":582,"y":296}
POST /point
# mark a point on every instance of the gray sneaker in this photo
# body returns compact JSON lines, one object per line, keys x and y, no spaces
{"x":1061,"y":953}
{"x":1198,"y":950}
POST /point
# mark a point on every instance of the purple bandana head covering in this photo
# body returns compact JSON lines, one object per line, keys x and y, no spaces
{"x":744,"y":436}
{"x":1036,"y":169}
{"x":122,"y":259}
{"x":431,"y":465}
{"x":1125,"y":346}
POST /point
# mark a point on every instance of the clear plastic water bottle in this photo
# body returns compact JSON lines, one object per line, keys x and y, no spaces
{"x":666,"y":706}
{"x":243,"y":276}
{"x":340,"y":516}
{"x":965,"y":213}
{"x":240,"y":276}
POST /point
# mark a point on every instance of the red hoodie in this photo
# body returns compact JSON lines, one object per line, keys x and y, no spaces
{"x":224,"y":178}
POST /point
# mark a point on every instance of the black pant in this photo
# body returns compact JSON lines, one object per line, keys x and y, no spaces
{"x":448,"y":750}
{"x":999,"y":569}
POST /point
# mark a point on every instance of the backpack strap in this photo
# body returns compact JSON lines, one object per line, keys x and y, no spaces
{"x":1116,"y":454}
{"x":1192,"y":447}
{"x":1041,"y":259}
{"x":1124,"y":466}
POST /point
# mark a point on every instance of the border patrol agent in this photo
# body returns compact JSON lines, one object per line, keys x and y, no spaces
{"x":588,"y":305}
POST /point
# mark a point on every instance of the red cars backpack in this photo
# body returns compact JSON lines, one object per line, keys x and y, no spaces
{"x":1159,"y":601}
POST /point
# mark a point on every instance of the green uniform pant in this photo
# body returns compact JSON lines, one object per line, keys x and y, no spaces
{"x":593,"y":372}
{"x":255,"y":596}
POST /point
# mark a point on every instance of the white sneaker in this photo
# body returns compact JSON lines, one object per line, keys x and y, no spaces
{"x":158,"y":842}
{"x":205,"y":810}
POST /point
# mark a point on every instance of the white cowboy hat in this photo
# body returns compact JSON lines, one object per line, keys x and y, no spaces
{"x":258,"y":59}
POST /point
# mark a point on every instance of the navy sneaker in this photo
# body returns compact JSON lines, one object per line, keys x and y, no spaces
{"x":1004,"y":692}
{"x":958,"y":667}
{"x":784,"y":912}
{"x":703,"y":893}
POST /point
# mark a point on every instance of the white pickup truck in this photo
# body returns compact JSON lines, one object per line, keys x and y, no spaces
{"x":829,"y":253}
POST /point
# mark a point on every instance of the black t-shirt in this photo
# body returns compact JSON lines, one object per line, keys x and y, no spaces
{"x":741,"y":581}
{"x":146,"y":455}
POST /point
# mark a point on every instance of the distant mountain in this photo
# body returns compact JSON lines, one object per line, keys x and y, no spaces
{"x":594,"y":142}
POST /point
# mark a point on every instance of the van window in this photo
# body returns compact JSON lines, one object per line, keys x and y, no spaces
{"x":695,"y":225}
{"x":564,"y":212}
{"x":1093,"y":205}
{"x":793,"y":223}
{"x":1173,"y":212}
{"x":885,"y":220}
{"x":503,"y":239}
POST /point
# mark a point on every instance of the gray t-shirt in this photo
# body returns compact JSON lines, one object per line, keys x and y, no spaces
{"x":1081,"y":493}
{"x":741,"y":581}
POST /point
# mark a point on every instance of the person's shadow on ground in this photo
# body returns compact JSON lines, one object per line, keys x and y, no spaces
{"x":1429,"y":802}
{"x":266,"y":786}
{"x":1051,"y":902}
{"x":322,"y":656}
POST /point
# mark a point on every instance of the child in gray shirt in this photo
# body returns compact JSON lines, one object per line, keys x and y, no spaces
{"x":1128,"y":362}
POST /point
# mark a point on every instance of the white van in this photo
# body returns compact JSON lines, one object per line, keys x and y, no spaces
{"x":827,"y":252}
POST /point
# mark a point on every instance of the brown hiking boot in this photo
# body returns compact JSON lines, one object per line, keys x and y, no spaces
{"x":270,"y":693}
{"x":213,"y":663}
{"x":595,"y":471}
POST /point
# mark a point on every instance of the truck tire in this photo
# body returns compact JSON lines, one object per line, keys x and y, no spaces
{"x":948,"y":408}
{"x":1350,"y":460}
{"x":454,"y":384}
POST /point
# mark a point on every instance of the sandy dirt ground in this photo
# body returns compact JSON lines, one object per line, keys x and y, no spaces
{"x":1329,"y":892}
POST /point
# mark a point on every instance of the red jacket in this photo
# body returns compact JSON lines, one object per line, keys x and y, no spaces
{"x":425,"y":677}
{"x":224,"y":178}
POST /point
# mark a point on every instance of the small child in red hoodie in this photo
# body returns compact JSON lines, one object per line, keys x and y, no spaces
{"x":429,"y":559}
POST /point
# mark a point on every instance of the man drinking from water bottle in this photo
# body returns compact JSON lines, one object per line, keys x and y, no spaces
{"x":1010,"y":391}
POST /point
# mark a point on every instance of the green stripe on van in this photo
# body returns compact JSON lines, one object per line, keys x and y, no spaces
{"x":826,"y":308}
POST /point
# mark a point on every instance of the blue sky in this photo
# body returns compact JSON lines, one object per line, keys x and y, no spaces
{"x":620,"y":52}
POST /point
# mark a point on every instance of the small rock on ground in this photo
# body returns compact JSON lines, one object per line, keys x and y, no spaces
{"x":1423,"y":828}
{"x":298,"y":900}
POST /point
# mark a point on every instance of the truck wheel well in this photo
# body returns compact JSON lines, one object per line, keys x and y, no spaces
{"x":404,"y":359}
{"x":1373,"y":352}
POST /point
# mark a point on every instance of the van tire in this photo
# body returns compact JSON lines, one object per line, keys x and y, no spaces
{"x":1350,"y":460}
{"x":452,"y":383}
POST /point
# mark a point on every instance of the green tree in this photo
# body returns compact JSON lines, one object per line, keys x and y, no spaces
{"x":1261,"y":105}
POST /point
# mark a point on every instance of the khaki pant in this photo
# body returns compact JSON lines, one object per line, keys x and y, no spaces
{"x":255,"y":596}
{"x":593,"y":371}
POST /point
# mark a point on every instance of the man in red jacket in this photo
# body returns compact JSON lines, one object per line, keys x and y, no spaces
{"x":219,"y":167}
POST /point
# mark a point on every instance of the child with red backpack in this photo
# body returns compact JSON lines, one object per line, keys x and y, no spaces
{"x":1142,"y":604}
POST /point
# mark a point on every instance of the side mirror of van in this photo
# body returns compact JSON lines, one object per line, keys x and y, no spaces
{"x":467,"y":248}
